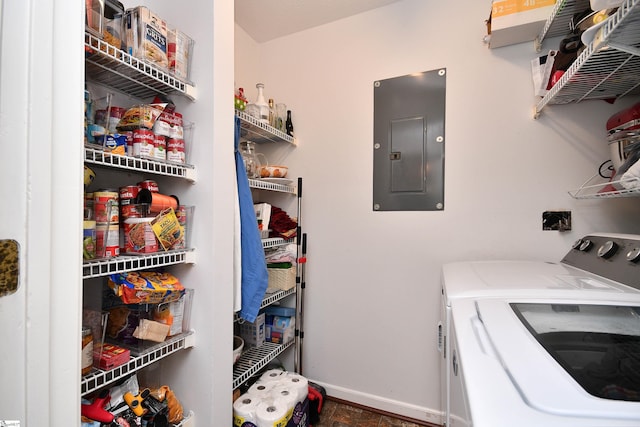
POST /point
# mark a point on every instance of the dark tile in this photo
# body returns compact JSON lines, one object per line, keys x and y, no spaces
{"x":338,"y":414}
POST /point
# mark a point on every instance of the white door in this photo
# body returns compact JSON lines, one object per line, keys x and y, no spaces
{"x":41,"y":75}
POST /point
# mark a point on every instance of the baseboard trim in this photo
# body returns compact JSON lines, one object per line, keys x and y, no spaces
{"x":380,"y":404}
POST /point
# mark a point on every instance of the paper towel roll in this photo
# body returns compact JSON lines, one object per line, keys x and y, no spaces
{"x":261,"y":388}
{"x":245,"y":409}
{"x":271,"y":414}
{"x":272,"y":375}
{"x":298,"y":383}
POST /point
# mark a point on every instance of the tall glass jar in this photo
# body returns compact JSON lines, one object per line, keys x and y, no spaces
{"x":249,"y":158}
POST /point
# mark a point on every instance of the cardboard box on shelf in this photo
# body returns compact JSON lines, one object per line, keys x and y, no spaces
{"x":517,"y":21}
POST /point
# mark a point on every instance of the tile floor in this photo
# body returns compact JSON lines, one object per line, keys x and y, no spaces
{"x":342,"y":414}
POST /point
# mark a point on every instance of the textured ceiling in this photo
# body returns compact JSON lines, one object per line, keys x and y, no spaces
{"x":266,"y":20}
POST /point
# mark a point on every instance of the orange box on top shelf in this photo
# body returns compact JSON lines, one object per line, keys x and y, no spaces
{"x":517,"y":21}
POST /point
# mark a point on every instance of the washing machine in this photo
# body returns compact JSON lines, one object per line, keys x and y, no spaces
{"x":530,"y":343}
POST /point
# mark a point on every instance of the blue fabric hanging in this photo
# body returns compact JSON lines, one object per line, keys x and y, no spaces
{"x":255,"y":277}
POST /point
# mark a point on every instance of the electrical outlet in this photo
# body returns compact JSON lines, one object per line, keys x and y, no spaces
{"x":556,"y":220}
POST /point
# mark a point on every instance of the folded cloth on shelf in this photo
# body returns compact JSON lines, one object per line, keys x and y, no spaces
{"x":631,"y":178}
{"x":286,"y":253}
{"x":281,"y":224}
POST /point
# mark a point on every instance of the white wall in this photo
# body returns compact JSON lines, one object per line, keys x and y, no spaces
{"x":371,"y":302}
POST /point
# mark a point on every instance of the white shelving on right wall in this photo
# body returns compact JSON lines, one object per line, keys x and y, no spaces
{"x":607,"y":69}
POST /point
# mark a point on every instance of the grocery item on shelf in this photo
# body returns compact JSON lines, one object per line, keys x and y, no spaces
{"x":279,"y":324}
{"x":86,"y":362}
{"x":263,"y":107}
{"x":139,"y":237}
{"x":289,"y":124}
{"x":140,"y":116}
{"x":179,"y":53}
{"x":146,"y":36}
{"x":89,"y":239}
{"x":146,"y":287}
{"x":151,"y":330}
{"x":108,"y":356}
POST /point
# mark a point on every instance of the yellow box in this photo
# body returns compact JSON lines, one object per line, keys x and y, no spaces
{"x":517,"y":21}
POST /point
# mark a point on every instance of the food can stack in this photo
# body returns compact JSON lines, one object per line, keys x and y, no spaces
{"x":107,"y":217}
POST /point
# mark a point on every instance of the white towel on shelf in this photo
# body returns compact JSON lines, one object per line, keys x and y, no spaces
{"x":630,"y":180}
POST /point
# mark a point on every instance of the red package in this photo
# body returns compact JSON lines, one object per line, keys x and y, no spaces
{"x":110,"y":357}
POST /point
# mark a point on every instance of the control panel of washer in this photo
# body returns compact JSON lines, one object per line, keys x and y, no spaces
{"x":614,"y":256}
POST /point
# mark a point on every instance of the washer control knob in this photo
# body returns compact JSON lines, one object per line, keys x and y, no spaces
{"x":586,"y":245}
{"x":634,"y":255}
{"x":576,"y":244}
{"x":608,"y":249}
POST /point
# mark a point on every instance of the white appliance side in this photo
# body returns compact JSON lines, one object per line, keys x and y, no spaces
{"x":41,"y":112}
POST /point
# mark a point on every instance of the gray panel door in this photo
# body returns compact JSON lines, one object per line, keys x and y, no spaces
{"x":409,"y":116}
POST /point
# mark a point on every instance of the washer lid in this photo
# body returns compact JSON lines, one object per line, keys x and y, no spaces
{"x":525,"y":279}
{"x":568,"y":357}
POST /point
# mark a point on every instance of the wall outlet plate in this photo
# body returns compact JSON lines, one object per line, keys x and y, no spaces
{"x":556,"y":220}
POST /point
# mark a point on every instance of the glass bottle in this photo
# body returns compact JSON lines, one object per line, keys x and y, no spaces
{"x":272,"y":113}
{"x":281,"y":116}
{"x":289,"y":124}
{"x":262,"y":104}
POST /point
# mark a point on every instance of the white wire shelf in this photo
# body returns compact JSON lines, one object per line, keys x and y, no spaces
{"x":272,"y":186}
{"x":97,"y":378}
{"x":558,"y":22}
{"x":608,"y":189}
{"x":99,"y":157}
{"x":274,"y":242}
{"x":110,"y":66}
{"x":608,"y":68}
{"x":254,"y":359}
{"x":270,"y":298}
{"x":254,"y":130}
{"x":106,"y":266}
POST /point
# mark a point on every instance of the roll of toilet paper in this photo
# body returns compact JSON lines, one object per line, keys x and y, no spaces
{"x":272,"y":375}
{"x":245,"y":409}
{"x":298,"y":383}
{"x":272,"y":414}
{"x":286,"y":394}
{"x":261,"y":389}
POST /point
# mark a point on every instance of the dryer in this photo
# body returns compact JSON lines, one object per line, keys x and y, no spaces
{"x":535,"y":343}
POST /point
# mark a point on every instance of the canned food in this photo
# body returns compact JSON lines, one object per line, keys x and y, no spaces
{"x":175,"y":150}
{"x":148,"y":185}
{"x":143,"y":142}
{"x":129,"y":135}
{"x":105,"y":206}
{"x":128,"y":196}
{"x":107,"y":240}
{"x":139,"y":236}
{"x":89,"y":240}
{"x":160,"y":148}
